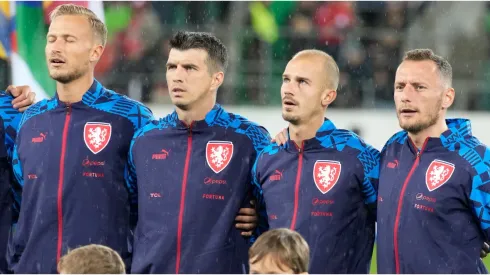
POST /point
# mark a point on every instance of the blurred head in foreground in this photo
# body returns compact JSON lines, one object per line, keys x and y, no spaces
{"x":279,"y":251}
{"x":92,"y":259}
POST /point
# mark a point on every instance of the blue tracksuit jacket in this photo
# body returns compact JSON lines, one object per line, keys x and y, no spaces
{"x":326,"y":190}
{"x":70,"y":162}
{"x":191,"y":181}
{"x":10,"y":119}
{"x":433,"y":205}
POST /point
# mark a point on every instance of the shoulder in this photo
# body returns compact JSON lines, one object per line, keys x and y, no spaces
{"x":476,"y":155}
{"x":345,"y":139}
{"x":252,"y":131}
{"x":121,"y":105}
{"x":7,"y":110}
{"x":38,"y":109}
{"x":397,"y":138}
{"x":5,"y":98}
{"x":241,"y":124}
{"x":153,"y":125}
{"x":355,"y":146}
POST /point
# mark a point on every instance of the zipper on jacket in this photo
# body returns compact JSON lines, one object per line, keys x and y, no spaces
{"x":61,"y":179}
{"x":400,"y":204}
{"x":182,"y":199}
{"x":296,"y":186}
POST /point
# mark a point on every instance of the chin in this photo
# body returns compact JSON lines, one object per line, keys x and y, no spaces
{"x":65,"y":78}
{"x":290,"y":118}
{"x":179,"y":103}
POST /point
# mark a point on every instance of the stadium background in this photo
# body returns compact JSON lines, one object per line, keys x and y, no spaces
{"x":366,"y":38}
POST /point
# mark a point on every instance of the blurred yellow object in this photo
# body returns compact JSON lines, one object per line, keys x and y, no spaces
{"x":263,"y":22}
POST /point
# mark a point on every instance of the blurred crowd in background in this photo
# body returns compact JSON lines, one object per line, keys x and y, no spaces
{"x":367,"y":39}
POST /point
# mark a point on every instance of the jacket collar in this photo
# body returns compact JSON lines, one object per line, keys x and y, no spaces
{"x":210,"y":119}
{"x":92,"y":94}
{"x":320,"y":140}
{"x":458,"y":129}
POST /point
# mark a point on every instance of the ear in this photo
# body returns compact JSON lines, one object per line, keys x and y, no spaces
{"x":96,"y":53}
{"x":217,"y":80}
{"x":328,"y":96}
{"x":448,"y":98}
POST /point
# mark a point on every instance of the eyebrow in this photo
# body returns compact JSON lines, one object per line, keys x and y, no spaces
{"x":183,"y":64}
{"x":62,"y":35}
{"x":412,"y":83}
{"x":297,"y":78}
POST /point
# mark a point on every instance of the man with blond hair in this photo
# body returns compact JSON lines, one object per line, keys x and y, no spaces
{"x":71,"y":153}
{"x":91,"y":259}
{"x":279,"y":251}
{"x":322,"y":181}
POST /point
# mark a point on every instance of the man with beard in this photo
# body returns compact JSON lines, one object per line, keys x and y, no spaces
{"x":434,"y":185}
{"x":71,"y":153}
{"x":322,"y":182}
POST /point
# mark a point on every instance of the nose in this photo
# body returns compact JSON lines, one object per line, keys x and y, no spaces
{"x":178,"y":76}
{"x":287,"y":89}
{"x":56,"y":46}
{"x":407,"y":93}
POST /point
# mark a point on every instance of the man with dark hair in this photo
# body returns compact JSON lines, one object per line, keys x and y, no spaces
{"x":434,"y":184}
{"x":192,"y":169}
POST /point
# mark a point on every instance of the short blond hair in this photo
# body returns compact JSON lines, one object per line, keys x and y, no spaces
{"x":284,"y":245}
{"x":99,"y":28}
{"x":331,"y":67}
{"x":92,"y":259}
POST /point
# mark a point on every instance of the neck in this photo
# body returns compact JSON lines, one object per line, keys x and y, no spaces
{"x":197,"y":112}
{"x":434,"y":131}
{"x":73,"y":92}
{"x":300,"y":132}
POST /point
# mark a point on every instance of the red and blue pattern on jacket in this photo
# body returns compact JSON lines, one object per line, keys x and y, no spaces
{"x":326,"y":190}
{"x":433,"y":205}
{"x":70,"y":162}
{"x":192,"y":180}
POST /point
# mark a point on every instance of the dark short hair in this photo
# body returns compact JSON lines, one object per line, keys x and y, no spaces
{"x":217,"y":53}
{"x":443,"y":65}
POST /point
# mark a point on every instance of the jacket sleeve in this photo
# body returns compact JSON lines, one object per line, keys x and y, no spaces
{"x":11,"y":128}
{"x":263,"y":223}
{"x":260,"y":141}
{"x":480,"y":192}
{"x":144,"y":118}
{"x":369,"y":159}
{"x":131,"y":182}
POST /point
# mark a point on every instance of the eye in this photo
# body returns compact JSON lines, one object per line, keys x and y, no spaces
{"x":285,"y":80}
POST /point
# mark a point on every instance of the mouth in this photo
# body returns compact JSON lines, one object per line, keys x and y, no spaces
{"x":56,"y":61}
{"x":178,"y":90}
{"x":407,"y":111}
{"x":289,"y":102}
